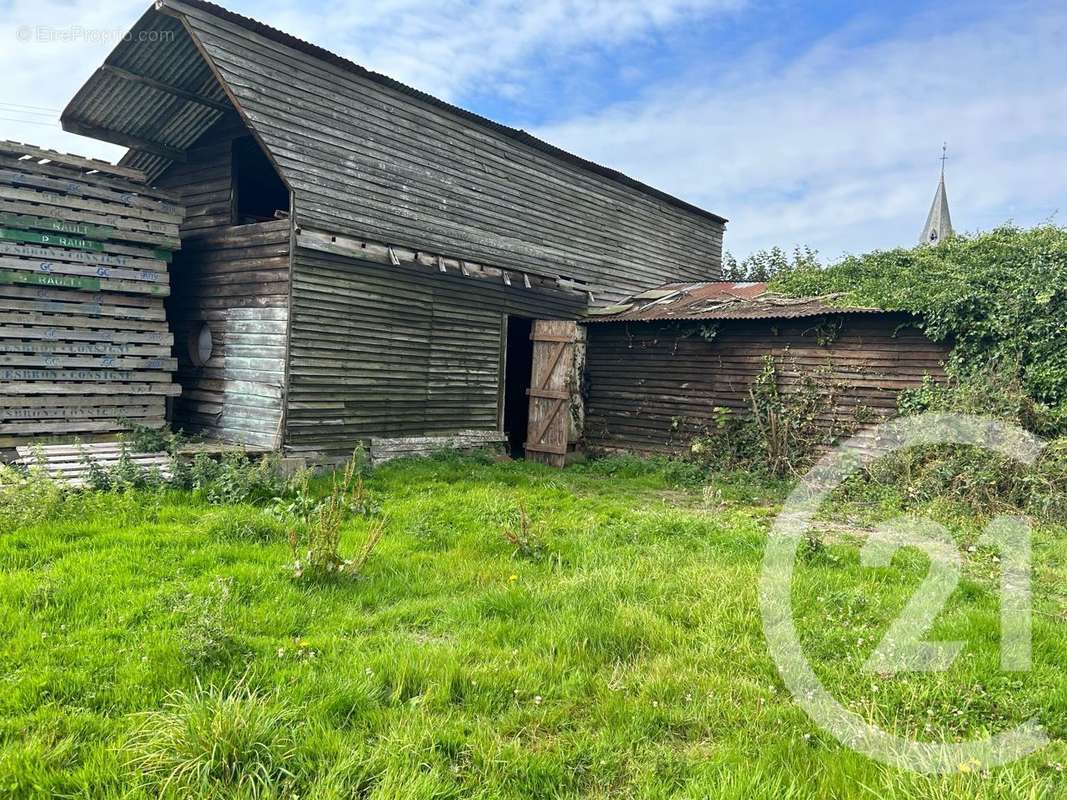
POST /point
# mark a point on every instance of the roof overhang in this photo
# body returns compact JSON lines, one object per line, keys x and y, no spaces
{"x":155,"y":94}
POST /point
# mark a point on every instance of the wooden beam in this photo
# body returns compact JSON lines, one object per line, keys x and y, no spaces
{"x":152,"y":83}
{"x":18,"y":149}
{"x":125,"y":140}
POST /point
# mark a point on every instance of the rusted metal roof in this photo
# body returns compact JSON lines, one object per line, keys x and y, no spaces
{"x":719,"y":300}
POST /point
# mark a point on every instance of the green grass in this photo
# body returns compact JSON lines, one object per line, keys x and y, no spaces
{"x":151,"y":644}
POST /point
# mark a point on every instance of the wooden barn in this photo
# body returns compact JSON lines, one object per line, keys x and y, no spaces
{"x":661,"y":365}
{"x":361,"y":262}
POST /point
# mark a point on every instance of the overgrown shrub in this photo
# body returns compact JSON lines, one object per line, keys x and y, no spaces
{"x":122,"y":475}
{"x":214,"y":743}
{"x":999,"y":297}
{"x":28,"y":496}
{"x":982,"y":480}
{"x":782,"y":432}
{"x":234,"y":478}
{"x":143,"y":439}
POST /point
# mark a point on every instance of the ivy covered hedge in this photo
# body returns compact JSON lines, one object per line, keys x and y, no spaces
{"x":1000,"y":297}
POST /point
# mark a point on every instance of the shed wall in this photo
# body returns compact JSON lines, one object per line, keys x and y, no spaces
{"x":653,"y":386}
{"x":377,"y":350}
{"x":234,"y":279}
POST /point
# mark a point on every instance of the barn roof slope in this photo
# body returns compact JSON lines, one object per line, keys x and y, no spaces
{"x":189,"y":8}
{"x":710,"y":300}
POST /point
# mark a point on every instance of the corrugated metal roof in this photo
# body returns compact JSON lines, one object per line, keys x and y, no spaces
{"x":719,"y":300}
{"x":106,"y":103}
{"x":158,"y":48}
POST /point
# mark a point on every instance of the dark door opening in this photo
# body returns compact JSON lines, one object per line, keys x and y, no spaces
{"x":518,"y":364}
{"x":259,"y":194}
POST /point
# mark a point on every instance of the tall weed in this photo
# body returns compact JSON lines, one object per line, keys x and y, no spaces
{"x":315,"y":539}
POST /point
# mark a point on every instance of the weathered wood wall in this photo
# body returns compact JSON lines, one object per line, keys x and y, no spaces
{"x":652,"y":386}
{"x":365,"y":157}
{"x":386,"y":351}
{"x":204,"y":183}
{"x":235,"y":280}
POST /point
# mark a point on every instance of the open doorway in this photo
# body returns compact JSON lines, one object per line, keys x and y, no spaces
{"x":518,"y":364}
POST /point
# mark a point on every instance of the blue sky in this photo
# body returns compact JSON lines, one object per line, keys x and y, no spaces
{"x":804,"y":123}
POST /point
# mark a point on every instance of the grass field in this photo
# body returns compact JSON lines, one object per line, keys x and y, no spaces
{"x":157,"y":645}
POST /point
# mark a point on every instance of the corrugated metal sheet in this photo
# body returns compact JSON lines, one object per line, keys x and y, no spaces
{"x":719,"y":300}
{"x":158,"y":48}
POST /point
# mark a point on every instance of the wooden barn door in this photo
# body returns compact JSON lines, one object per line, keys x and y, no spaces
{"x":550,"y":391}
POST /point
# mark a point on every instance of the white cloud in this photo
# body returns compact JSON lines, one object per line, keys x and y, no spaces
{"x":838,"y":148}
{"x":48,"y":48}
{"x":445,"y":47}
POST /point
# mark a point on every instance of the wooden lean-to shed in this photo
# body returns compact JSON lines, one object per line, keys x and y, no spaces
{"x":362,"y":262}
{"x":665,"y":365}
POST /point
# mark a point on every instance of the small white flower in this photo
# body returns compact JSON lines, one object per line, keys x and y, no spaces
{"x":537,"y":700}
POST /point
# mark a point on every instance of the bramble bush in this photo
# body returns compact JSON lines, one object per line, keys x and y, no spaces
{"x":1000,"y":300}
{"x":782,"y":432}
{"x":999,"y":297}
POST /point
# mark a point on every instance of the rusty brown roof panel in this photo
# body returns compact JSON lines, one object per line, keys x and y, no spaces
{"x":719,"y":300}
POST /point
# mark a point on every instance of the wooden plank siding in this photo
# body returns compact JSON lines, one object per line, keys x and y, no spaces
{"x":366,"y":159}
{"x":384,"y":351}
{"x":235,"y":280}
{"x":204,"y":181}
{"x":652,"y":386}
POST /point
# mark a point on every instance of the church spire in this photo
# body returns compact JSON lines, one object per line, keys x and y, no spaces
{"x":938,"y":222}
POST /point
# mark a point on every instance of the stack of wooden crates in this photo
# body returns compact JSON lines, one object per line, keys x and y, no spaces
{"x":84,"y":251}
